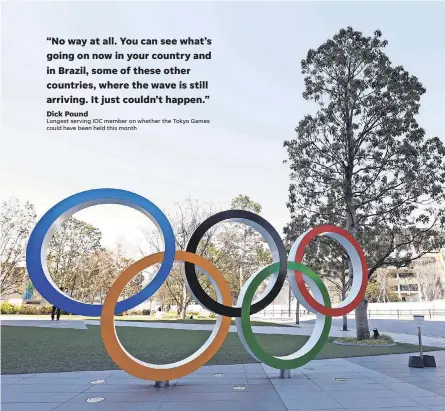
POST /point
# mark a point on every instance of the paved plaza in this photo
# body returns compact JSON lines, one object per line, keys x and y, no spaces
{"x":381,"y":383}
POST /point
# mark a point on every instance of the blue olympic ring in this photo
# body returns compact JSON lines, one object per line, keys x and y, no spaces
{"x":40,"y":236}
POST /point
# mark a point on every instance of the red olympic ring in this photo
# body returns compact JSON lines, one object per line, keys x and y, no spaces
{"x":361,"y":283}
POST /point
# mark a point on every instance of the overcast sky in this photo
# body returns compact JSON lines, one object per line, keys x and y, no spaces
{"x":255,"y":87}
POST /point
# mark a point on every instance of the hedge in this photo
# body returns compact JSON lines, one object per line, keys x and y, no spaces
{"x":8,"y":308}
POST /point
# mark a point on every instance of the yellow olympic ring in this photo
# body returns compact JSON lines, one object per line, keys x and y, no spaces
{"x":172,"y":371}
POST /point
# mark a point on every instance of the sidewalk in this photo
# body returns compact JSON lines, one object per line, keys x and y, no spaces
{"x":381,"y":383}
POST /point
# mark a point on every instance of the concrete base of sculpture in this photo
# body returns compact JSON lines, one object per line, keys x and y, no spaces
{"x":285,"y":374}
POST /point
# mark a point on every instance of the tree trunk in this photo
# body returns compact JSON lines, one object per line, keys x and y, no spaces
{"x":240,"y":278}
{"x":184,"y":301}
{"x":343,"y":296}
{"x":361,"y":315}
{"x":361,"y":321}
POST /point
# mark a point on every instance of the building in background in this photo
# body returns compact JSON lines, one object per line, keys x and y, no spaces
{"x":424,"y":280}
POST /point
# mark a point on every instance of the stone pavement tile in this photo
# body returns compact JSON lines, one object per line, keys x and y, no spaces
{"x":218,"y":388}
{"x":175,"y":396}
{"x":212,"y":381}
{"x":321,"y":398}
{"x":365,"y":394}
{"x":411,"y":379}
{"x":302,"y":394}
{"x":312,"y":404}
{"x":109,"y":406}
{"x":55,"y":381}
{"x":292,"y":381}
{"x":18,"y":375}
{"x":224,"y":376}
{"x":104,"y":388}
{"x":345,"y":386}
{"x":121,"y":397}
{"x":129,"y":381}
{"x":276,"y":405}
{"x":325,"y":369}
{"x":339,"y":378}
{"x":436,"y":378}
{"x":410,"y":390}
{"x":266,"y":396}
{"x":10,"y":380}
{"x":94,"y":375}
{"x":262,"y":387}
{"x":115,"y":373}
{"x":427,"y":401}
{"x":365,"y":372}
{"x":428,"y":385}
{"x":52,"y":388}
{"x":435,"y":408}
{"x":120,"y":375}
{"x":229,"y":369}
{"x":259,"y":381}
{"x":376,"y":402}
{"x":440,"y":391}
{"x":415,"y":408}
{"x":253,"y":368}
{"x":23,"y":406}
{"x":327,"y":372}
{"x":256,"y":375}
{"x":8,"y":397}
{"x":383,"y":379}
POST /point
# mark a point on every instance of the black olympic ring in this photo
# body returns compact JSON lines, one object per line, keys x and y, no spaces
{"x":275,"y":243}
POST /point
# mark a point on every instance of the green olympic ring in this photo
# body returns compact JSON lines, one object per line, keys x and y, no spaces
{"x":318,"y":337}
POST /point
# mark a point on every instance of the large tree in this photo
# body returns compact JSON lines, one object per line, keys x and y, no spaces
{"x":16,"y":223}
{"x":429,"y":278}
{"x":70,"y":252}
{"x":361,"y":160}
{"x":186,"y":219}
{"x":235,"y":249}
{"x":240,"y":249}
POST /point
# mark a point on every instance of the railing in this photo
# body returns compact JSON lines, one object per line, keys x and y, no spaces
{"x":428,"y":313}
{"x":401,"y":313}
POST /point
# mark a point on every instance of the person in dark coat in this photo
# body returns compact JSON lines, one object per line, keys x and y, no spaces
{"x":56,"y":311}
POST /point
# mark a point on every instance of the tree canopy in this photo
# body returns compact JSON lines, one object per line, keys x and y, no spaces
{"x":362,"y":161}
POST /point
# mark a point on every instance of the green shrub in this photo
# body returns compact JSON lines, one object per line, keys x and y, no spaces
{"x":8,"y":308}
{"x":134,"y":312}
{"x":382,"y":339}
{"x":28,"y":309}
{"x":45,"y":309}
{"x":146,"y":312}
{"x":212,"y":315}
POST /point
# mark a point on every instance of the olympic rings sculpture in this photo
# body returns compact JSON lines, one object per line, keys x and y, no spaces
{"x":299,"y":276}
